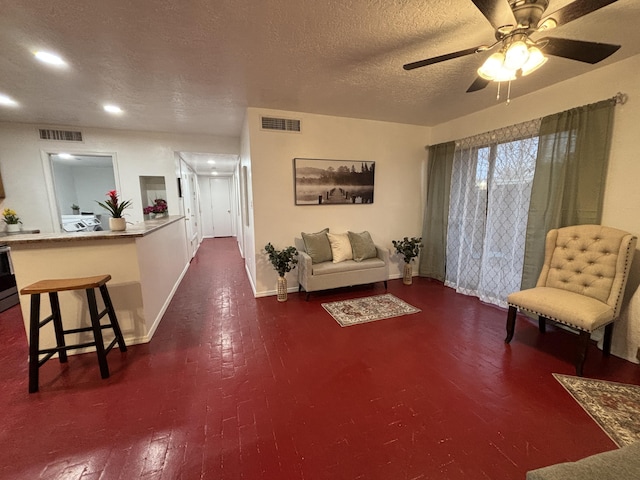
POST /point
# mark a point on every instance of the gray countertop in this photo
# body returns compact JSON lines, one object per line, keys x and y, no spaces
{"x":132,"y":231}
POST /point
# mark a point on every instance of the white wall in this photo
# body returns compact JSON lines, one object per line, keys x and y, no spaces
{"x":89,"y":181}
{"x":622,"y":196}
{"x":67,"y":194}
{"x":248,"y":240}
{"x":205,"y":206}
{"x":136,"y":153}
{"x":398,"y":151}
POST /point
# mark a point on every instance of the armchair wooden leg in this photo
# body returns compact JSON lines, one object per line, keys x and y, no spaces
{"x":542,"y":324}
{"x":606,"y":342}
{"x":511,"y":323}
{"x":583,"y":345}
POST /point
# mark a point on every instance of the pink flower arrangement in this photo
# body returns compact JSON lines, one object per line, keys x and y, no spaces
{"x":159,"y":207}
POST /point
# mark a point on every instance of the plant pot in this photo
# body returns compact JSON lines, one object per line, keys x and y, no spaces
{"x":282,"y":289}
{"x":117,"y":224}
{"x":13,"y":227}
{"x":407,"y":274}
{"x":75,"y":211}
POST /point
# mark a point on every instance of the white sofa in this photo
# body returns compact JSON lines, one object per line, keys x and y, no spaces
{"x":313,"y":277}
{"x":619,"y":464}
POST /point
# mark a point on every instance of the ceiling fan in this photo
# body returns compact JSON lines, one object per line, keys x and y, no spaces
{"x":515,"y":22}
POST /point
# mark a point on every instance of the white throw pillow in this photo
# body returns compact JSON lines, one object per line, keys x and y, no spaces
{"x":340,"y":247}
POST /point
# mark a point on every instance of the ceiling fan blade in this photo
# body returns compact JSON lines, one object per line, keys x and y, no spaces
{"x":498,"y":12}
{"x":588,"y":52}
{"x":478,"y":84}
{"x":575,"y":10}
{"x":441,"y":58}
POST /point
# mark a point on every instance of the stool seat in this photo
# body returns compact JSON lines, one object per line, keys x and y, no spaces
{"x":62,"y":284}
{"x":52,"y":287}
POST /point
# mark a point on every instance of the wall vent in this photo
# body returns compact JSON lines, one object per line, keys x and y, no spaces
{"x":64,"y":135}
{"x":280,"y":124}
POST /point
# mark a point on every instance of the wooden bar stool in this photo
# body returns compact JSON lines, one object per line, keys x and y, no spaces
{"x":52,"y":287}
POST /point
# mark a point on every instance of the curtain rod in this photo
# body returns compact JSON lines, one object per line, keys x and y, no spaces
{"x":621,"y":98}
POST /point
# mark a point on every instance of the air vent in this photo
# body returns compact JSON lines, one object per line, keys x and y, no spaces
{"x":280,"y":124}
{"x":64,"y":135}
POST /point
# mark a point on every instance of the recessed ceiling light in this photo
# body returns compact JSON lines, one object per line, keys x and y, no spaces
{"x":7,"y":101}
{"x":50,"y":59}
{"x":211,"y":161}
{"x":214,"y":173}
{"x":65,"y":156}
{"x":112,"y":109}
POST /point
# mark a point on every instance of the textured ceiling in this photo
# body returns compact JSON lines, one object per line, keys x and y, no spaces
{"x":194,"y":66}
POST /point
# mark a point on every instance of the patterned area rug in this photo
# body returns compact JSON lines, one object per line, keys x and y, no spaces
{"x":368,"y":309}
{"x":614,"y":406}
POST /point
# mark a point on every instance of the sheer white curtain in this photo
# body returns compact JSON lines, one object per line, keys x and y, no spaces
{"x":490,"y":192}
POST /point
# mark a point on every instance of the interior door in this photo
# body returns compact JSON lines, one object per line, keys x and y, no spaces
{"x":221,"y":207}
{"x":191,"y":208}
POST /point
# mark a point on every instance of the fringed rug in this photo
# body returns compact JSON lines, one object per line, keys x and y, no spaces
{"x":368,"y":309}
{"x":614,"y":406}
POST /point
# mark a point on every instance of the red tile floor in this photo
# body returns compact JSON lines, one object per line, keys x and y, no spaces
{"x":233,"y":387}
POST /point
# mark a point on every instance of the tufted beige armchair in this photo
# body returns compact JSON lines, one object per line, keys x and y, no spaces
{"x":581,"y":284}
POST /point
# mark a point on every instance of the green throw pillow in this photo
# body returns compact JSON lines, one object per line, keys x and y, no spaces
{"x":362,"y":246}
{"x":317,"y":246}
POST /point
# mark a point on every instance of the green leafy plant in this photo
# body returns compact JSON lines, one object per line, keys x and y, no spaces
{"x":113,"y":204}
{"x":409,"y":248}
{"x":282,"y":260}
{"x":75,"y":207}
{"x":10,"y":217}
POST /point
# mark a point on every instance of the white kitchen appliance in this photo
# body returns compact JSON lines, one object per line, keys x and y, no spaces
{"x":81,"y":223}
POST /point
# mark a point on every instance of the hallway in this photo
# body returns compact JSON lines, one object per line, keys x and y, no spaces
{"x":235,"y":387}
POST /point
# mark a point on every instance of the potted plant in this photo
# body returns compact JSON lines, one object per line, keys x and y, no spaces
{"x":115,"y":208}
{"x":283,"y":261}
{"x":10,"y":217}
{"x":160,"y":207}
{"x":75,"y":209}
{"x":146,"y":212}
{"x":409,"y":248}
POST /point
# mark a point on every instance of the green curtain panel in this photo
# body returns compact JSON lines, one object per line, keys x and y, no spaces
{"x":434,"y":229}
{"x":569,"y":180}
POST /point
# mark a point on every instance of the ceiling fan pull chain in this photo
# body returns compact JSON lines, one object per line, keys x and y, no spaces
{"x":498,"y":96}
{"x":509,"y":93}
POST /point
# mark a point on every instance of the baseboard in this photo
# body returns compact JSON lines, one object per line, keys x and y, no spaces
{"x":253,"y":286}
{"x":156,"y":322}
{"x":270,"y":293}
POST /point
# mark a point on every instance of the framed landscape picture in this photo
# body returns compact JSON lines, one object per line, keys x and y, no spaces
{"x":331,"y":182}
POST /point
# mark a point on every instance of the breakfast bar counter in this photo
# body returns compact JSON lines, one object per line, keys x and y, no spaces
{"x":146,"y":263}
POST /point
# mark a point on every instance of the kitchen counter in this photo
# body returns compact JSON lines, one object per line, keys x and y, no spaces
{"x":132,"y":231}
{"x":146,"y":263}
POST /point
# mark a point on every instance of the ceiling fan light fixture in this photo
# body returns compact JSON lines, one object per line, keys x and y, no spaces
{"x":535,"y":61}
{"x":494,"y":69}
{"x":491,"y":66}
{"x":516,"y":55}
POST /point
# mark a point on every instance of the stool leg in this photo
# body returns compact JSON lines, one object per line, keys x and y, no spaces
{"x":97,"y":333}
{"x":112,"y":317}
{"x":34,"y":342}
{"x":57,"y":326}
